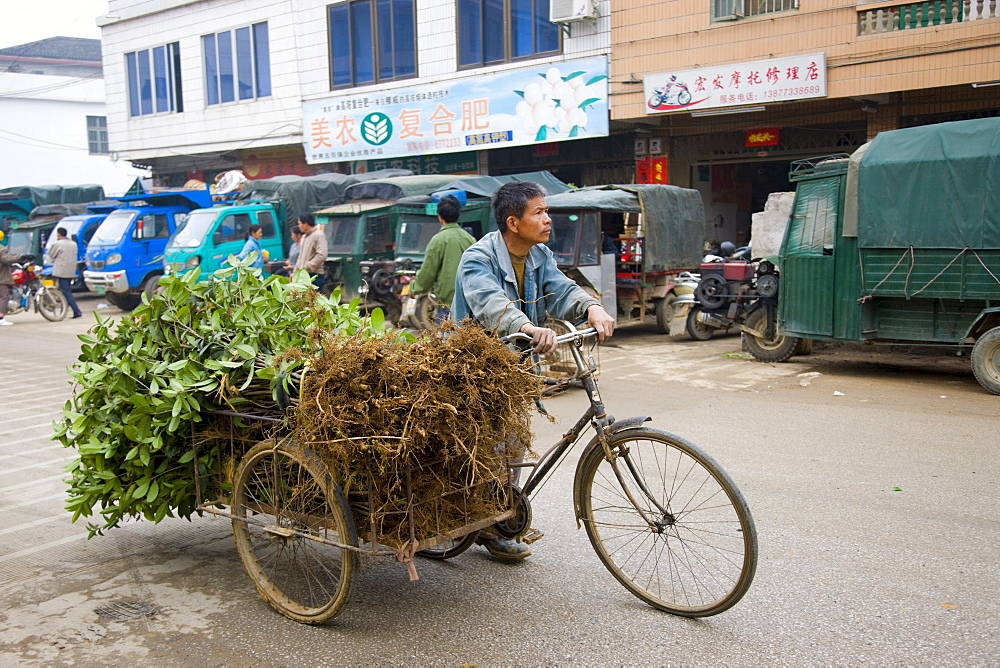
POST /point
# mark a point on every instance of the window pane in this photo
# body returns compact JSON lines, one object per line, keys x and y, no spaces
{"x":225,"y":45}
{"x":361,"y":42}
{"x":493,"y":33}
{"x":546,"y":32}
{"x":244,"y":64}
{"x":262,"y":59}
{"x":403,"y":38}
{"x":521,"y":20}
{"x":470,"y":30}
{"x":177,"y":103}
{"x":211,"y":70}
{"x":133,"y":84}
{"x":340,"y":45}
{"x":385,"y":45}
{"x":160,"y":78}
{"x":145,"y":83}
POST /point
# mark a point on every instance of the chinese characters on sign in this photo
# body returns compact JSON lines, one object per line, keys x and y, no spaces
{"x":762,"y":137}
{"x":791,"y":78}
{"x":651,"y":170}
{"x":531,"y":105}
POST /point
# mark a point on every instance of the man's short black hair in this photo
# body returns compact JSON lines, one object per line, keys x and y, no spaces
{"x":511,"y":199}
{"x":61,"y":231}
{"x":307,"y":218}
{"x":449,"y":208}
{"x":294,"y":229}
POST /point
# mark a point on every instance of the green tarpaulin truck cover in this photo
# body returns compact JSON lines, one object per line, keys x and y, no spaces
{"x":934,"y":186}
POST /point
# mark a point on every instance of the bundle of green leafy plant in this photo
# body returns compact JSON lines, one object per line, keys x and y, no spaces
{"x":146,"y":385}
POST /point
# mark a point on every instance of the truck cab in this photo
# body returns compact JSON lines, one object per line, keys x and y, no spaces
{"x":125,"y":255}
{"x":208,"y":237}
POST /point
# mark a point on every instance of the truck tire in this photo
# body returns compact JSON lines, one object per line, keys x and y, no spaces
{"x":124,"y":301}
{"x":695,"y":329}
{"x":986,"y":360}
{"x":151,"y":285}
{"x":804,"y":347}
{"x":776,"y":349}
{"x":665,"y":313}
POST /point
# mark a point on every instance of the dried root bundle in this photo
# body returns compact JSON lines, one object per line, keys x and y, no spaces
{"x":422,"y":429}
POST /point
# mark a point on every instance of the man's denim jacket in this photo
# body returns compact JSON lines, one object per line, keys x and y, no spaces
{"x":486,"y":288}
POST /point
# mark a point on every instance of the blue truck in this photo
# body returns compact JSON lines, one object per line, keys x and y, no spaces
{"x":125,"y":256}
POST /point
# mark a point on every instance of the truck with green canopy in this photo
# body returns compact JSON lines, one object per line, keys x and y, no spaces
{"x":654,"y":233}
{"x":897,"y":243}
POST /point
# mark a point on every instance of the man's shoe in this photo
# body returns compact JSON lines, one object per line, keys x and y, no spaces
{"x":4,"y":322}
{"x":78,"y":315}
{"x":502,"y":548}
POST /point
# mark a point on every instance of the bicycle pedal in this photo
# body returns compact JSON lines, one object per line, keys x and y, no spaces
{"x":531,"y":536}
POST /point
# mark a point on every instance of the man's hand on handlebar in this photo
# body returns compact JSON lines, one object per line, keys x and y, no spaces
{"x":599,"y":319}
{"x":543,"y":340}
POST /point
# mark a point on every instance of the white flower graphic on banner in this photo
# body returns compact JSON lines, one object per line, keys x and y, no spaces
{"x":559,"y":103}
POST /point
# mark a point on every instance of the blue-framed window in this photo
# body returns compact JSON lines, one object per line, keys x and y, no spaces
{"x":154,"y":80}
{"x":237,"y":64}
{"x":499,"y":31}
{"x":372,"y":41}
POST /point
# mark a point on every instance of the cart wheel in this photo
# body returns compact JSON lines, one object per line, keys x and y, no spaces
{"x":451,"y":548}
{"x":287,"y":510}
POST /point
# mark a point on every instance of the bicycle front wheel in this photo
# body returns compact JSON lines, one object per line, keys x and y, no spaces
{"x":692,"y":551}
{"x":285,"y":506}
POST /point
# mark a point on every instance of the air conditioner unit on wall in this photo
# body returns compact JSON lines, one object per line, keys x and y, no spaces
{"x":567,"y":11}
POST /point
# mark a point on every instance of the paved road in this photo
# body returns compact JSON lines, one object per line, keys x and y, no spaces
{"x":873,"y":482}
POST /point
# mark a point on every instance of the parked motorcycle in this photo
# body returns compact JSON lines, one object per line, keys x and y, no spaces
{"x":31,"y":291}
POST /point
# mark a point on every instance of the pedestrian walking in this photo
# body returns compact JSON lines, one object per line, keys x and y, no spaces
{"x":444,"y":252}
{"x":64,"y":255}
{"x":312,"y":250}
{"x":6,"y":279}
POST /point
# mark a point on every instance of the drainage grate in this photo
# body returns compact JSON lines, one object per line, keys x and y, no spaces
{"x":125,"y":611}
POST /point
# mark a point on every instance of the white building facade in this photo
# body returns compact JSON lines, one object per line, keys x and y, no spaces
{"x":53,"y":128}
{"x":196,"y":88}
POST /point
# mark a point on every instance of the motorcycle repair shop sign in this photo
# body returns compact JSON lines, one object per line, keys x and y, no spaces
{"x":757,"y":82}
{"x":531,"y":105}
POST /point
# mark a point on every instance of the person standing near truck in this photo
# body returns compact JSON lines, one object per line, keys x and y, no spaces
{"x":63,"y":252}
{"x":254,"y":233}
{"x":444,"y":252}
{"x":312,"y":250}
{"x":6,"y":280}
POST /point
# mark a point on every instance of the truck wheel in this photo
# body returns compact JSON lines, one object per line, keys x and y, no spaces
{"x":665,"y":313}
{"x":696,"y":329}
{"x":125,"y":302}
{"x":151,"y":285}
{"x":986,"y":360}
{"x":803,"y":347}
{"x":776,"y":349}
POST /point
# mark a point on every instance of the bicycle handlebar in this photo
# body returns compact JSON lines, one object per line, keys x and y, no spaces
{"x":562,"y":338}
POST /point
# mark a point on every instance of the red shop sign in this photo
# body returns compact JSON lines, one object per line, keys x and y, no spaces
{"x":762,"y":137}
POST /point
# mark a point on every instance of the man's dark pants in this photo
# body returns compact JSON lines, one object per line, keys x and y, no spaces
{"x":66,"y":287}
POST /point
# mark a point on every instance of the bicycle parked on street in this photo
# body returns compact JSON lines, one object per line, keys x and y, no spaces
{"x":667,"y":522}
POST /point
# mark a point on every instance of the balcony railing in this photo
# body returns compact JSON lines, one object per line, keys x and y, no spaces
{"x":924,"y":14}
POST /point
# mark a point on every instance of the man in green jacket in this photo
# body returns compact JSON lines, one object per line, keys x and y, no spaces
{"x":444,"y":252}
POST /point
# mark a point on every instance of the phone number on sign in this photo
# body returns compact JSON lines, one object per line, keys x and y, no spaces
{"x":783,"y":92}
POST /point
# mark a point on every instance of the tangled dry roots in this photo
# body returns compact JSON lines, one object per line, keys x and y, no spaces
{"x":422,"y":429}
